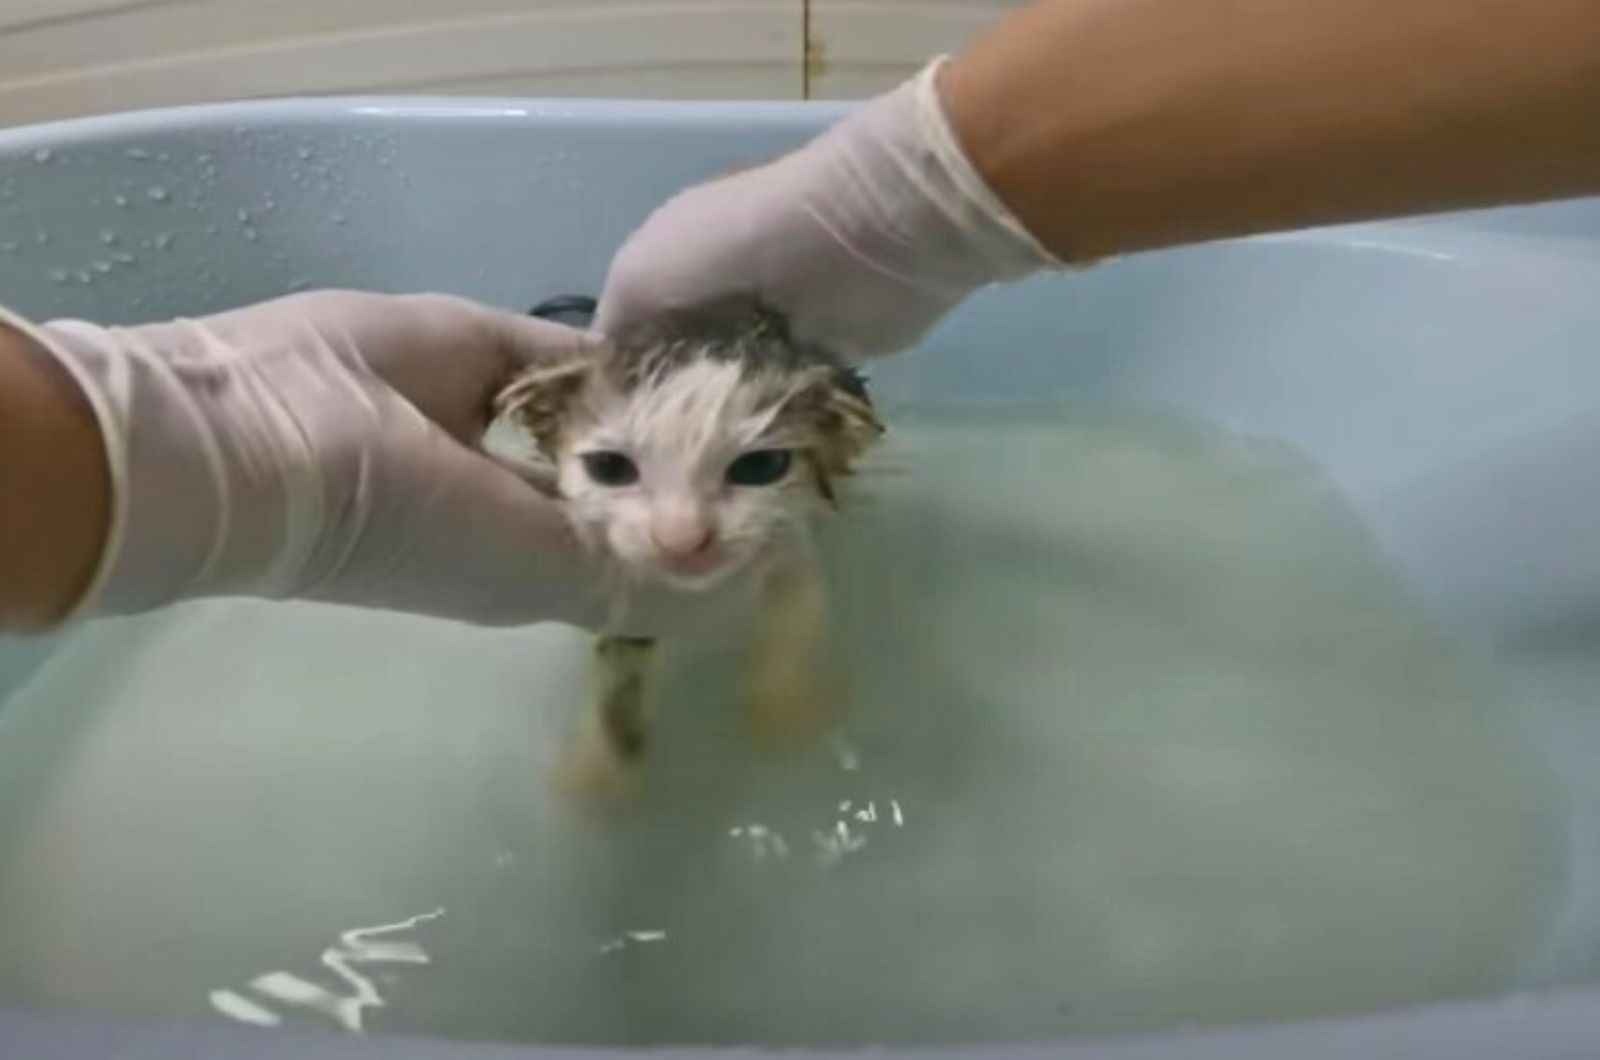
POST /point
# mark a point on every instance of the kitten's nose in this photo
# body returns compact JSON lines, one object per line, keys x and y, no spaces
{"x":683,"y":535}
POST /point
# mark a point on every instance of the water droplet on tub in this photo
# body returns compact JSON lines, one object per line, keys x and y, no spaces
{"x":243,"y":216}
{"x":204,"y":160}
{"x":304,"y":153}
{"x":102,"y":267}
{"x":162,"y":241}
{"x":337,"y":218}
{"x":137,"y":152}
{"x":251,"y":234}
{"x":123,"y":258}
{"x":43,"y":239}
{"x":85,"y":277}
{"x":120,"y":200}
{"x":58,"y":276}
{"x":158,"y":194}
{"x":108,"y":237}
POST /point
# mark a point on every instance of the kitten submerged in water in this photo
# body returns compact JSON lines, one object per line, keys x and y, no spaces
{"x":695,"y":449}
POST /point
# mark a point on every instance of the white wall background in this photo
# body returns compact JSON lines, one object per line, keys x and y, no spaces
{"x":64,"y":58}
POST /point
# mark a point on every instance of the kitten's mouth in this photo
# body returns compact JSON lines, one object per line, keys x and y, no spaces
{"x":698,"y":572}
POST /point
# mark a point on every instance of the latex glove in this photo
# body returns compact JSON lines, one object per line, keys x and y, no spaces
{"x":325,"y":446}
{"x":863,"y":238}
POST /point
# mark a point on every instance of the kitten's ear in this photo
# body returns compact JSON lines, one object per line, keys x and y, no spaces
{"x":850,"y":424}
{"x":842,"y":422}
{"x":538,"y":399}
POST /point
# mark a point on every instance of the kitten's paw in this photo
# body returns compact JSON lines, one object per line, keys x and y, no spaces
{"x":595,"y":782}
{"x":786,"y":710}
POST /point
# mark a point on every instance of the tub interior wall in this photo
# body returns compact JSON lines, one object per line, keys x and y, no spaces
{"x":1442,"y":373}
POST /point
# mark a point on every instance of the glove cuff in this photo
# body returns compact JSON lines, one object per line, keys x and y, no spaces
{"x":1002,"y":239}
{"x":178,"y":446}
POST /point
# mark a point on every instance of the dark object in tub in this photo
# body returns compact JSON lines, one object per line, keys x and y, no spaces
{"x":576,"y":310}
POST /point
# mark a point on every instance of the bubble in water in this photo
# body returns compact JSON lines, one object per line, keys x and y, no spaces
{"x":58,"y":275}
{"x":102,"y":267}
{"x":251,"y":234}
{"x":8,"y":247}
{"x":123,"y":258}
{"x":43,"y":155}
{"x":158,"y":194}
{"x":137,"y":152}
{"x":305,"y":154}
{"x":162,"y":241}
{"x":203,"y":159}
{"x":43,"y":239}
{"x":108,"y":237}
{"x":120,"y":200}
{"x":85,"y":277}
{"x":337,"y":218}
{"x":243,"y":216}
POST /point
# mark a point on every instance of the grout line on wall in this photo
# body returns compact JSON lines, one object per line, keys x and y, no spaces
{"x":806,"y":45}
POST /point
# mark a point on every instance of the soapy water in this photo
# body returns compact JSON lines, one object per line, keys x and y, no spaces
{"x":1135,"y":732}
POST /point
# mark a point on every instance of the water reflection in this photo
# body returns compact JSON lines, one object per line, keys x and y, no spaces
{"x":357,"y":950}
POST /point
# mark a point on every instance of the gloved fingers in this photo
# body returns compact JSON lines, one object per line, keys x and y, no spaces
{"x":447,"y":356}
{"x":453,"y":379}
{"x":478,"y":545}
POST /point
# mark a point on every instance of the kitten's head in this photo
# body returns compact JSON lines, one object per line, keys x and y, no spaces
{"x":687,"y":448}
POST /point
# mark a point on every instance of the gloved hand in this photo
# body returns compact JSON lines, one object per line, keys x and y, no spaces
{"x":863,"y":238}
{"x":325,"y":446}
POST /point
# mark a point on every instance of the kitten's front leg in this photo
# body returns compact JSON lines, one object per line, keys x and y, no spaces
{"x":785,"y":692}
{"x":602,"y":765}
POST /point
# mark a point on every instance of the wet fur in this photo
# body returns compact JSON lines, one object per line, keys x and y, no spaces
{"x":716,"y":381}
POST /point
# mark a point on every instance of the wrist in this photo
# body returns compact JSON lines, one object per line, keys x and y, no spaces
{"x":950,"y":131}
{"x":57,"y":501}
{"x":897,"y":181}
{"x":197,"y":511}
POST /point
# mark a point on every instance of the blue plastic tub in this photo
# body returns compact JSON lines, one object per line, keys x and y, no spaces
{"x":1441,"y":376}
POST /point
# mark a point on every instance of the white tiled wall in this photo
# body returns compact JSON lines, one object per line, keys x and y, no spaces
{"x":861,"y":47}
{"x":62,"y":58}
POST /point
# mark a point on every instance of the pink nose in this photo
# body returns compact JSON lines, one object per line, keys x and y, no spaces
{"x":683,"y":538}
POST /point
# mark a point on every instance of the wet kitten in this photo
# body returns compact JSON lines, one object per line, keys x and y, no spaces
{"x":699,"y":447}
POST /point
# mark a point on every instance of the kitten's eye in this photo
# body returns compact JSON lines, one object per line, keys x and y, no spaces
{"x":610,"y":468}
{"x":762,"y":467}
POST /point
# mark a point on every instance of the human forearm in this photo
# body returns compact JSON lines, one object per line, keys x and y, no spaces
{"x":55,"y":491}
{"x":1098,"y":127}
{"x":1117,"y":125}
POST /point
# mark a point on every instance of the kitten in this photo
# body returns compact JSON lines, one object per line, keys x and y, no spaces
{"x":701,"y":446}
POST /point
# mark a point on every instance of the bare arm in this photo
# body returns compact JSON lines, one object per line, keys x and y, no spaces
{"x":55,"y":491}
{"x":1118,"y":125}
